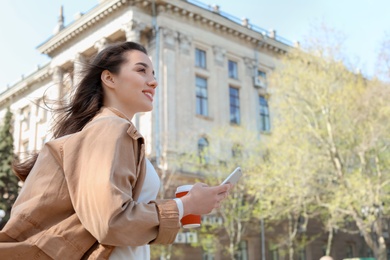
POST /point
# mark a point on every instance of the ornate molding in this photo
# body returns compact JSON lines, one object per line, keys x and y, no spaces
{"x":40,"y":75}
{"x":169,"y":38}
{"x":133,"y":29}
{"x":242,"y":30}
{"x":88,"y":20}
{"x":101,"y":44}
{"x":185,"y":43}
{"x":177,"y":8}
{"x":219,"y":55}
{"x":250,"y":66}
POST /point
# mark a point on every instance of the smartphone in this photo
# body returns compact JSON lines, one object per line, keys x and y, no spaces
{"x":233,"y":177}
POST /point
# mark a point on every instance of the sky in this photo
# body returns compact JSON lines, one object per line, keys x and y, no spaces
{"x":25,"y":24}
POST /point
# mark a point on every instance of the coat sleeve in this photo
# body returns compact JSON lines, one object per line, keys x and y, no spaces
{"x":100,"y":165}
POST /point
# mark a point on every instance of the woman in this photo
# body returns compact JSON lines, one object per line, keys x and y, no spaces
{"x":91,"y":192}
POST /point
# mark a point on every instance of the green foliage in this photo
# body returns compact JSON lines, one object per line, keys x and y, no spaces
{"x":8,"y":181}
{"x":229,"y":148}
{"x":329,"y":150}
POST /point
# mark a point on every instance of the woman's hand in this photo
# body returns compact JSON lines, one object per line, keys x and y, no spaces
{"x":202,"y":199}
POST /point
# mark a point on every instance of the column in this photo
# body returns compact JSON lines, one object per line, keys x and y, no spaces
{"x":54,"y":92}
{"x":168,"y":97}
{"x":78,"y":63}
{"x":33,"y":127}
{"x":17,"y":130}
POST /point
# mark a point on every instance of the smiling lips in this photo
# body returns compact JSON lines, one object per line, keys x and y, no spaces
{"x":149,"y":94}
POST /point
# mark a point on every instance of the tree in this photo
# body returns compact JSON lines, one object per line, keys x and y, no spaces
{"x":8,"y":181}
{"x":167,"y":188}
{"x":331,"y":128}
{"x":229,"y":148}
{"x":288,"y":191}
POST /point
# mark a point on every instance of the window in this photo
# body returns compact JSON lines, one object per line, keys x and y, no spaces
{"x":302,"y":254}
{"x":201,"y":96}
{"x":200,"y":58}
{"x":203,"y":145}
{"x":233,"y":71}
{"x":261,"y":74}
{"x":274,"y":253}
{"x":234,"y":106}
{"x":242,"y":252}
{"x":349,"y":250}
{"x":264,"y":115}
{"x":25,"y":118}
{"x":207,"y":256}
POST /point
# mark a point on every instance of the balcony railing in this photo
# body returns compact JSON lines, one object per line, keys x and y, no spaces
{"x":243,"y":22}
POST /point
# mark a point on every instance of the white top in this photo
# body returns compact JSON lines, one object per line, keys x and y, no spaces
{"x":149,"y":192}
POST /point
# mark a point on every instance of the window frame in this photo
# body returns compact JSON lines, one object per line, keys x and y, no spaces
{"x":264,"y":115}
{"x":200,"y":58}
{"x":202,"y":107}
{"x":233,"y":74}
{"x":234,"y":109}
{"x":203,"y":144}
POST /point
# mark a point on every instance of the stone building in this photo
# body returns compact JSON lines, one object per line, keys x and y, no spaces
{"x":212,"y":72}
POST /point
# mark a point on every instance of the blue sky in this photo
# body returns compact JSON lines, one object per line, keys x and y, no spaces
{"x":24,"y":24}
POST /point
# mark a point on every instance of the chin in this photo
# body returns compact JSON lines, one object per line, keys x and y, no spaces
{"x":147,"y":108}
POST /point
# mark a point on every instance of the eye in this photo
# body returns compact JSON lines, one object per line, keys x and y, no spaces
{"x":142,"y":70}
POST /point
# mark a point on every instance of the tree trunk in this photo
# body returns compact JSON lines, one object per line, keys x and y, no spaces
{"x":381,"y":252}
{"x":291,"y":235}
{"x":330,"y":239}
{"x":231,"y":250}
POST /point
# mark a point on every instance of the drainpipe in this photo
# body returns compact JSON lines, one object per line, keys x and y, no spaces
{"x":262,"y":231}
{"x":156,"y":31}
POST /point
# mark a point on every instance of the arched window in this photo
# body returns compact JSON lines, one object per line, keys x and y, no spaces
{"x":203,"y":146}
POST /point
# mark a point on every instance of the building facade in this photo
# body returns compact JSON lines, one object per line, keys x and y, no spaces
{"x":211,"y":68}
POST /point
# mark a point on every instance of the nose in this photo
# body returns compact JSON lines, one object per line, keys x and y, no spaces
{"x":153,"y":83}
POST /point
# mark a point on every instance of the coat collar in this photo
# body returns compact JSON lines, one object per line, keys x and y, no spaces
{"x":110,"y":111}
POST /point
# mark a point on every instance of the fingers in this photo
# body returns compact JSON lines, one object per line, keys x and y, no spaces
{"x":223,"y":188}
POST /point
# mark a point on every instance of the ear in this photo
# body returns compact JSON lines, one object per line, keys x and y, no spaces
{"x":107,"y":79}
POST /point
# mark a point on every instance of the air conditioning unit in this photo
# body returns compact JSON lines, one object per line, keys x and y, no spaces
{"x":219,"y":221}
{"x":206,"y":220}
{"x":181,"y":238}
{"x":192,"y":237}
{"x":259,"y":83}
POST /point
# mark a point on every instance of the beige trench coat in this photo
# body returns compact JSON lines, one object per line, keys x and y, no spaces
{"x":78,"y":201}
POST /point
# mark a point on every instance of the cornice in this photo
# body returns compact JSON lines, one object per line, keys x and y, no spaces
{"x":215,"y":21}
{"x":22,"y":86}
{"x":94,"y":16}
{"x":182,"y":8}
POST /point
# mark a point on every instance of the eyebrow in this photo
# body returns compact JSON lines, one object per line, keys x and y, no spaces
{"x":144,"y":64}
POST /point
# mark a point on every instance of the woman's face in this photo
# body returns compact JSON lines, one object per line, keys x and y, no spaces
{"x":132,"y":89}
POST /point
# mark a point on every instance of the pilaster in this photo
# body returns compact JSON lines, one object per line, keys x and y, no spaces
{"x":78,"y":62}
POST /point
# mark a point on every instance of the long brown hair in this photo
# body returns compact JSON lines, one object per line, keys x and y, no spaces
{"x":87,"y":99}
